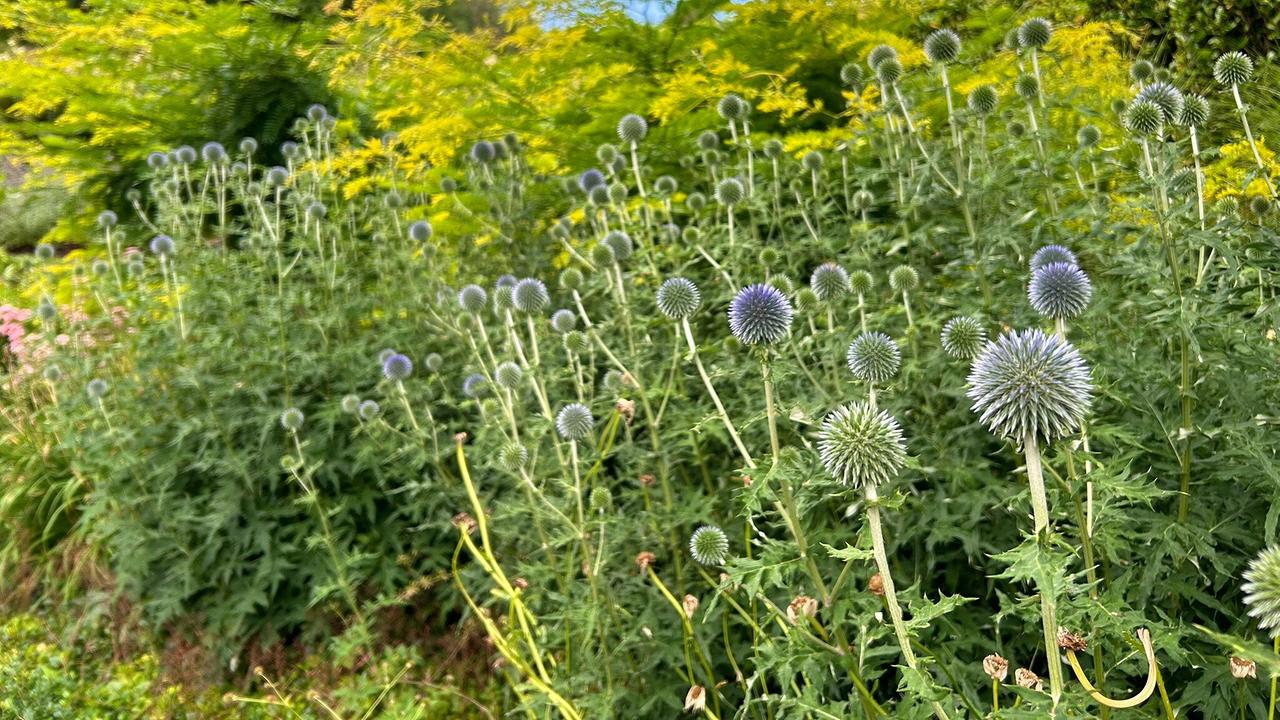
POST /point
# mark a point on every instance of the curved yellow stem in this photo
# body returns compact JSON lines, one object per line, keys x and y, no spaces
{"x":1144,"y":636}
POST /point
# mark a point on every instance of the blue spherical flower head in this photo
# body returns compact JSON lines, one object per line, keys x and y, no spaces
{"x":860,"y":446}
{"x":291,"y":419}
{"x":590,"y":178}
{"x":709,"y":545}
{"x":574,"y":421}
{"x":475,"y":385}
{"x":277,"y":176}
{"x":874,"y":357}
{"x":397,"y":367}
{"x":185,"y":155}
{"x":472,"y":298}
{"x":1059,"y":291}
{"x":248,"y":146}
{"x":162,"y":245}
{"x":157,"y":160}
{"x":506,"y":281}
{"x":107,"y":219}
{"x":213,"y":152}
{"x":369,"y":409}
{"x":1028,"y":384}
{"x":760,"y":314}
{"x":317,"y":210}
{"x":97,"y":388}
{"x":420,"y":231}
{"x":483,"y":152}
{"x":317,"y":112}
{"x":1052,"y":254}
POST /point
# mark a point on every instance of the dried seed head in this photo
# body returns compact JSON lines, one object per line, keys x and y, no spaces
{"x":695,"y":701}
{"x":861,"y":446}
{"x":690,"y":604}
{"x":801,"y":607}
{"x":644,"y":560}
{"x":463,"y":521}
{"x":1243,"y":669}
{"x":709,"y":545}
{"x":996,"y":667}
{"x":1027,"y":679}
{"x":875,"y":585}
{"x":1068,"y":640}
{"x":1028,"y":384}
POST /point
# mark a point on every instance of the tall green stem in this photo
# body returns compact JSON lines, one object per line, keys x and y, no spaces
{"x":1048,"y":603}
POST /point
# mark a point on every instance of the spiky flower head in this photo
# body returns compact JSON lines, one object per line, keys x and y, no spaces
{"x":1028,"y":384}
{"x":1233,"y":68}
{"x":508,"y":375}
{"x":773,"y":148}
{"x":729,"y":191}
{"x":963,"y":337}
{"x":759,"y":314}
{"x":52,"y":373}
{"x":1035,"y":33}
{"x":483,"y":152}
{"x":157,"y":160}
{"x":107,"y":219}
{"x":1052,"y":254}
{"x":576,"y":342}
{"x":942,"y":47}
{"x":607,"y":154}
{"x":1142,"y":71}
{"x":369,"y":409}
{"x":213,"y":152}
{"x":1144,"y":117}
{"x":317,"y":210}
{"x":590,"y":178}
{"x":665,"y":185}
{"x":1195,"y":111}
{"x":863,"y":199}
{"x":162,"y":245}
{"x":571,"y":278}
{"x":632,"y":128}
{"x":530,"y":296}
{"x":1260,"y":206}
{"x":732,"y":107}
{"x":812,"y":161}
{"x":46,"y":310}
{"x":873,"y":357}
{"x":100,"y":267}
{"x":291,"y":419}
{"x":983,"y":100}
{"x":397,"y":367}
{"x":829,"y":281}
{"x":472,"y":298}
{"x":889,"y":71}
{"x":853,"y":77}
{"x":1016,"y":128}
{"x":563,"y":321}
{"x":879,"y":54}
{"x":350,"y":404}
{"x":678,"y":298}
{"x":861,"y":282}
{"x":1088,"y":136}
{"x":602,"y":255}
{"x":185,"y":155}
{"x":574,"y":421}
{"x":420,"y":231}
{"x":1027,"y":87}
{"x":277,"y":176}
{"x":44,"y":251}
{"x":903,"y":277}
{"x":618,"y":193}
{"x":601,"y":499}
{"x":475,"y":385}
{"x":1059,"y":290}
{"x":620,"y":243}
{"x":393,"y":200}
{"x":1167,"y":97}
{"x":1262,"y":590}
{"x":513,"y":456}
{"x":433,"y":362}
{"x":860,"y":446}
{"x":709,"y":545}
{"x":248,"y":145}
{"x":695,"y":201}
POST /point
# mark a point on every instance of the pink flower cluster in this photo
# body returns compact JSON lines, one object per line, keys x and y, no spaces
{"x":13,"y":329}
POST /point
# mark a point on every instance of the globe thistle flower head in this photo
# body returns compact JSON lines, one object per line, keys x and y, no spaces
{"x":508,"y":375}
{"x":695,"y":201}
{"x":316,"y":112}
{"x":678,"y":298}
{"x":879,"y":54}
{"x":769,"y":257}
{"x":1059,"y":290}
{"x":317,"y":210}
{"x":574,"y":421}
{"x":291,"y":419}
{"x":576,"y":342}
{"x":759,"y":314}
{"x":632,"y":128}
{"x":136,"y":267}
{"x":812,"y":161}
{"x":665,"y":185}
{"x":563,"y":321}
{"x":602,"y":255}
{"x":889,"y":71}
{"x":475,"y":385}
{"x":162,"y":246}
{"x":420,"y":231}
{"x":1035,"y":33}
{"x":1195,"y":111}
{"x":618,"y":193}
{"x":46,"y":310}
{"x":1144,"y":117}
{"x":350,"y":404}
{"x":600,"y":499}
{"x":483,"y":152}
{"x":903,"y":277}
{"x":530,"y":296}
{"x":433,"y":362}
{"x":773,"y":148}
{"x":290,"y":149}
{"x":397,"y":367}
{"x":1165,"y":96}
{"x":213,"y":152}
{"x":620,"y":243}
{"x":861,"y":282}
{"x":963,"y":337}
{"x":853,"y":77}
{"x":860,"y":446}
{"x":983,"y":100}
{"x":590,"y":178}
{"x":1027,"y":87}
{"x":1029,"y":384}
{"x":107,"y":219}
{"x":1260,"y":206}
{"x":942,"y":47}
{"x":874,"y":357}
{"x":277,"y":176}
{"x":732,"y":107}
{"x":448,"y":185}
{"x":1052,"y":254}
{"x":472,"y":298}
{"x":157,"y":160}
{"x":1262,"y":590}
{"x":52,"y":373}
{"x":185,"y":155}
{"x":571,"y":278}
{"x":1233,"y":68}
{"x":1142,"y":71}
{"x":1088,"y":136}
{"x":248,"y":145}
{"x":730,"y":191}
{"x":44,"y":251}
{"x":829,"y":282}
{"x":369,"y":409}
{"x":506,"y":281}
{"x":862,"y":200}
{"x":709,"y":545}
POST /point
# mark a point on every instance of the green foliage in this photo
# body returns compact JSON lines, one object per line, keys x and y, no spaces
{"x":27,"y":215}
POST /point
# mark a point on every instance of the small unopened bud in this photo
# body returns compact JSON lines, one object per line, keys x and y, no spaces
{"x":520,"y":583}
{"x":1242,"y":668}
{"x":464,"y":521}
{"x":695,"y":701}
{"x":645,"y":559}
{"x":1068,"y":640}
{"x":996,"y":667}
{"x":802,"y":606}
{"x":875,"y":585}
{"x":647,"y":479}
{"x":690,"y":605}
{"x":460,"y":438}
{"x":627,"y":409}
{"x":746,"y":481}
{"x":1027,"y":679}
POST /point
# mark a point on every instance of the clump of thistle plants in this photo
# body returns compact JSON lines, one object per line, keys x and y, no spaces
{"x":640,"y":425}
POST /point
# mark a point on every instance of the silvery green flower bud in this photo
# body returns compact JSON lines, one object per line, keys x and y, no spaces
{"x":983,"y":99}
{"x":1035,"y":33}
{"x":942,"y":47}
{"x":632,"y":128}
{"x":1233,"y":68}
